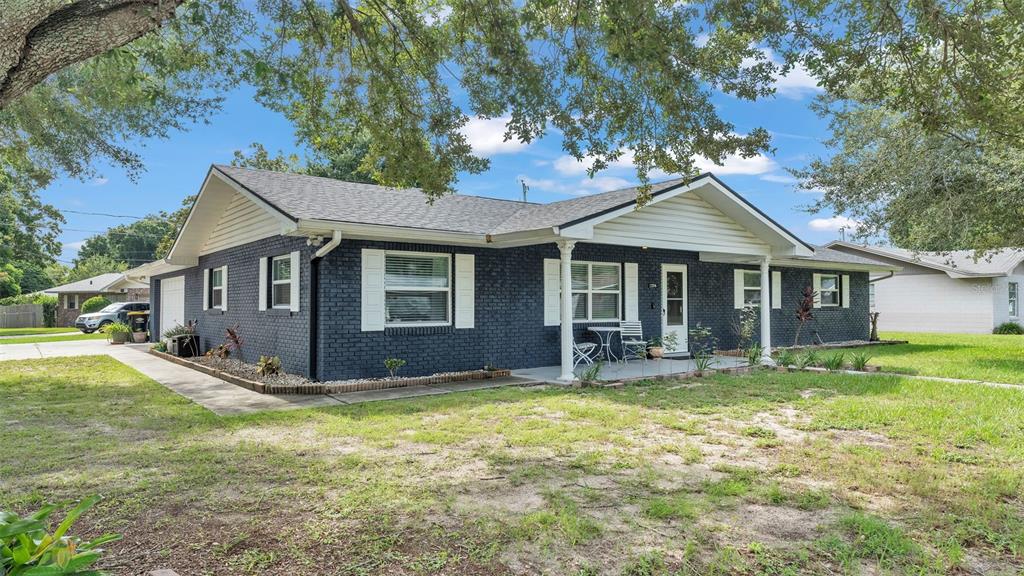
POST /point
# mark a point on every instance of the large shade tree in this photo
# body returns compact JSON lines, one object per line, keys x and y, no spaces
{"x":614,"y":78}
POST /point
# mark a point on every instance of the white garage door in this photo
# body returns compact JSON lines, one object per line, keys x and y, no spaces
{"x":172,"y":302}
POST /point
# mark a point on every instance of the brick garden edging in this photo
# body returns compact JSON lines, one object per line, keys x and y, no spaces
{"x":339,"y":388}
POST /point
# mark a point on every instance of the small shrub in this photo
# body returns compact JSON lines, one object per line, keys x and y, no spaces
{"x":94,"y":304}
{"x":591,"y":373}
{"x":758,"y":432}
{"x":754,"y":353}
{"x":181,"y":329}
{"x":28,"y":547}
{"x":1008,"y":328}
{"x":219,"y":351}
{"x":859,"y":360}
{"x":232,"y":338}
{"x":834,"y":361}
{"x":812,"y":358}
{"x":118,"y":328}
{"x":785,"y":357}
{"x":268,"y":366}
{"x":703,"y":361}
{"x":159,"y":347}
{"x":393,"y":364}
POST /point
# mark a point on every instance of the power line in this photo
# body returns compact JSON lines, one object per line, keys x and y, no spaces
{"x":101,"y":214}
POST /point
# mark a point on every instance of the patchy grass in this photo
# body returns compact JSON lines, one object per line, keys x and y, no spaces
{"x":989,"y":357}
{"x":735,"y":475}
{"x":45,"y":338}
{"x":34,"y":331}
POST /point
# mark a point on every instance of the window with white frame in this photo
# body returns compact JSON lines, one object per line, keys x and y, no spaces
{"x":751,"y":288}
{"x":216,"y":288}
{"x":417,"y":289}
{"x":1014,"y":292}
{"x":281,"y":281}
{"x":596,"y":291}
{"x":871,"y":296}
{"x":829,"y":291}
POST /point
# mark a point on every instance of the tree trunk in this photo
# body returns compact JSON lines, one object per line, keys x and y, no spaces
{"x":40,"y":37}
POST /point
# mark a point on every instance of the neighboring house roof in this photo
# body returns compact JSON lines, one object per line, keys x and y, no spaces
{"x":956,"y":263}
{"x":110,"y":282}
{"x":311,"y":206}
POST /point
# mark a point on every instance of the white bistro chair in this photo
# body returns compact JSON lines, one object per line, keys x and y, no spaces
{"x":633,"y":343}
{"x":582,"y":352}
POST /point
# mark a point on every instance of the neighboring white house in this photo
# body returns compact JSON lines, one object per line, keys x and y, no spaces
{"x":945,"y":292}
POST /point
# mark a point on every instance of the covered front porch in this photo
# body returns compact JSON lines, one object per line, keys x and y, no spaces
{"x":632,"y":370}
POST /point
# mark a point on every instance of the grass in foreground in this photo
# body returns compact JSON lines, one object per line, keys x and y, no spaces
{"x":44,"y":338}
{"x":33,"y":331}
{"x":989,"y":357}
{"x":880,"y":474}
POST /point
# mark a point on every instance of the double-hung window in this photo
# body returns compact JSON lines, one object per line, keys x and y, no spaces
{"x":1014,"y":292}
{"x":751,"y":288}
{"x":216,"y":288}
{"x":829,"y":291}
{"x":281,"y":281}
{"x":596,"y":291}
{"x":417,"y":289}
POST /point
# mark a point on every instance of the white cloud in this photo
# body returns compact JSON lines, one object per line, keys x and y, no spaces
{"x":779,"y":178}
{"x":75,"y":246}
{"x":736,"y":164}
{"x":583,"y":187}
{"x":487,"y":137}
{"x":835,"y":224}
{"x":796,"y":84}
{"x":100,"y":181}
{"x":570,"y":166}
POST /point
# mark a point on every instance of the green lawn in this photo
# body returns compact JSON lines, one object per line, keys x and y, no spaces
{"x":770,"y":473}
{"x":990,"y":357}
{"x":54,"y":338}
{"x":32,"y":331}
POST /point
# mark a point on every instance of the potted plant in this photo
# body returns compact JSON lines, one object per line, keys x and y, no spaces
{"x":118,"y":333}
{"x":658,"y":345}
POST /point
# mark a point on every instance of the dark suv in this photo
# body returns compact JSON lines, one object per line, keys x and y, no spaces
{"x":116,"y":312}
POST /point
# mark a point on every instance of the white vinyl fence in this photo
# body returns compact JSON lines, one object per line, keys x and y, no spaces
{"x":21,"y":316}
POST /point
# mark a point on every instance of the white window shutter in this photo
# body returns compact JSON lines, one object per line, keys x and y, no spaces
{"x":296,"y":274}
{"x":737,"y":288}
{"x":465,"y":290}
{"x":776,"y":289}
{"x":552,"y":292}
{"x":844,"y":290}
{"x":373,"y":290}
{"x":632,"y":281}
{"x":224,"y":292}
{"x":206,"y":288}
{"x":817,"y":290}
{"x":263,"y":284}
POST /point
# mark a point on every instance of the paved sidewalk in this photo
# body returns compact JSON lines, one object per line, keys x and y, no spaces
{"x":222,"y":397}
{"x":43,"y":335}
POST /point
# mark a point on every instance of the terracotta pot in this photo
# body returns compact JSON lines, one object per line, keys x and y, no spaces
{"x":140,"y":337}
{"x":656,"y":351}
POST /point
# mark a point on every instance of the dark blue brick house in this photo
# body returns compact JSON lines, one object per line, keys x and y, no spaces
{"x":334,"y":276}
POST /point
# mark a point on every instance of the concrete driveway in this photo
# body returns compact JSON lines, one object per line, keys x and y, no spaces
{"x":54,"y":349}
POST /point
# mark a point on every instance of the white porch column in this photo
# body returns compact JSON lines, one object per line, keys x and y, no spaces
{"x":766,"y":314}
{"x":565,"y":247}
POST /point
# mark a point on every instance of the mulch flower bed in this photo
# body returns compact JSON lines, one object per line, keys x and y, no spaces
{"x":245,"y":375}
{"x":829,"y":345}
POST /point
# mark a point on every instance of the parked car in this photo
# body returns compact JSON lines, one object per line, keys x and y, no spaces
{"x":116,"y":312}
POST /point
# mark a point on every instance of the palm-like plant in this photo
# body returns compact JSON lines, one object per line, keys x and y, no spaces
{"x":804,"y":310}
{"x":27,"y":547}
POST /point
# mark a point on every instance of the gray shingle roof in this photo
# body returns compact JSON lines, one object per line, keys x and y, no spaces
{"x":314,"y":198}
{"x":95,"y":284}
{"x":303,"y":197}
{"x":960,"y":262}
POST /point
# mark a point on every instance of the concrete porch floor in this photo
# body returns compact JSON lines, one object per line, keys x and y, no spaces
{"x":611,"y":371}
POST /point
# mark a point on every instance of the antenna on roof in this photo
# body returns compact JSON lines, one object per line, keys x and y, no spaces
{"x":842,"y":234}
{"x":525,"y":188}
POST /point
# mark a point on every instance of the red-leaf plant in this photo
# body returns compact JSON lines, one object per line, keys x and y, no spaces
{"x":804,"y":310}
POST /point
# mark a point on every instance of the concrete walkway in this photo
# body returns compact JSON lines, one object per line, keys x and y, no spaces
{"x":222,"y":397}
{"x":43,"y":335}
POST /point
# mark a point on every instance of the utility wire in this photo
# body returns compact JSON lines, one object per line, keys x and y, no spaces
{"x":101,"y":214}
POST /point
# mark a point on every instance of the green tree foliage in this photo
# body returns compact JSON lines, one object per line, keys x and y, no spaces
{"x":917,"y":189}
{"x":134,"y":244}
{"x":10,"y":280}
{"x":94,"y":266}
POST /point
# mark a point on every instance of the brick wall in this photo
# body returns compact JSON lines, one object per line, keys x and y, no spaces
{"x":509,"y":329}
{"x":270,"y":332}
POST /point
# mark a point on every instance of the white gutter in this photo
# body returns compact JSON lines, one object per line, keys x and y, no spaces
{"x":326,"y":248}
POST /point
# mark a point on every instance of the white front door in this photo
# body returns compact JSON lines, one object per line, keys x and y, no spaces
{"x":673,"y":304}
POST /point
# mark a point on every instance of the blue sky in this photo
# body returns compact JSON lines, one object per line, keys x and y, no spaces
{"x":175,"y":167}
